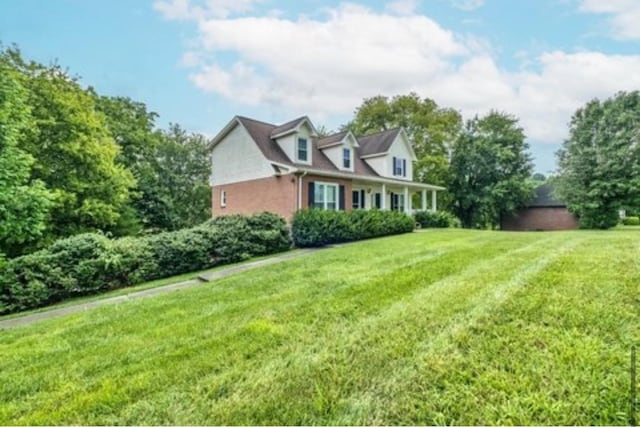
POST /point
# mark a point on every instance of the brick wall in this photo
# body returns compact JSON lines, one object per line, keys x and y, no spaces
{"x":532,"y":219}
{"x":274,"y":194}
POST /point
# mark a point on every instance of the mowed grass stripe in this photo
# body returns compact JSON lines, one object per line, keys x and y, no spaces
{"x":556,"y":352}
{"x":353,"y":358}
{"x":129,"y":350}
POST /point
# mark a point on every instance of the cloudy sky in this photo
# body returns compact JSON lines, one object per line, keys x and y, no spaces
{"x":200,"y":62}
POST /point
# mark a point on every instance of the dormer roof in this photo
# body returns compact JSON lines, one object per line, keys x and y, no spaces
{"x":336,"y":139}
{"x":378,"y":143}
{"x":292,"y":126}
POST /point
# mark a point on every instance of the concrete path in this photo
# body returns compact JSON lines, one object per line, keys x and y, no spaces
{"x":203,"y":278}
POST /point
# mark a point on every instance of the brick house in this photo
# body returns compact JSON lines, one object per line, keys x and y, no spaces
{"x":259,"y":166}
{"x":543,"y":213}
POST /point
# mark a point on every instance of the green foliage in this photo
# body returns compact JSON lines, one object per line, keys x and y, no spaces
{"x":24,"y":203}
{"x":73,"y":150}
{"x":599,"y":163}
{"x":431,"y":129}
{"x":631,"y":220}
{"x":89,"y":263}
{"x":439,"y":219}
{"x":317,"y":227}
{"x":490,"y":170}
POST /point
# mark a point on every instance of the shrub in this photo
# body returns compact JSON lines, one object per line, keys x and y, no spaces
{"x":439,"y":219}
{"x":317,"y":227}
{"x":631,"y":220}
{"x":90,"y":263}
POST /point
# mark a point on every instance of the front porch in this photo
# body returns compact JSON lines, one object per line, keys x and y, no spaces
{"x":398,"y":197}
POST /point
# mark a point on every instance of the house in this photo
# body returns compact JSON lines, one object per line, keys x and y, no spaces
{"x":258,"y":166}
{"x":544,"y":212}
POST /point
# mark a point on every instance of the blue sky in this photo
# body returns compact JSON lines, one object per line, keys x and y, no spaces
{"x":200,"y":62}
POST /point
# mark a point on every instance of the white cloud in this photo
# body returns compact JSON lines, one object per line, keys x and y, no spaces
{"x":624,"y":16}
{"x":325,"y":66}
{"x":467,"y":4}
{"x":402,"y":7}
{"x":202,"y":9}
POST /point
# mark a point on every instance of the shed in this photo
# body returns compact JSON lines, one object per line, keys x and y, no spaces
{"x":544,"y":212}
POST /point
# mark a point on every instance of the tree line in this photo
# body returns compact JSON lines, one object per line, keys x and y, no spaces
{"x":73,"y":161}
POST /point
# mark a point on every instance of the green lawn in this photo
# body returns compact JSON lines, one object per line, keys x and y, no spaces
{"x":436,"y":327}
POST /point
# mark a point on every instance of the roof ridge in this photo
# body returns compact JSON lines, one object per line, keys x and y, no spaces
{"x":255,"y":120}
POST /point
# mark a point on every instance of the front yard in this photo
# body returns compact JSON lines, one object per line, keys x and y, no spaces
{"x":435,"y":327}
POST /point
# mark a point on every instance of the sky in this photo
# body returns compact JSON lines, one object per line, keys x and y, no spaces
{"x":201,"y":62}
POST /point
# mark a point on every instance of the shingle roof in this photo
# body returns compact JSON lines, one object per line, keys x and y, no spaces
{"x":377,"y":143}
{"x":261,"y":133}
{"x":287,"y":126}
{"x":544,"y":198}
{"x":331,"y":139}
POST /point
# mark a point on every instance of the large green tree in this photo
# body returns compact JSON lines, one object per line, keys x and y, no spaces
{"x":599,"y":164}
{"x":432,"y":130}
{"x":75,"y":155}
{"x":24,"y":203}
{"x":490,"y":170}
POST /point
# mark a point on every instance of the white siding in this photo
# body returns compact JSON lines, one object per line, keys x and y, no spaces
{"x":380,"y":165}
{"x":335,"y":155}
{"x":237,"y":158}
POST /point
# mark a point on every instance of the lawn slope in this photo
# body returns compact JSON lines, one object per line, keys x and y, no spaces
{"x":452,"y":326}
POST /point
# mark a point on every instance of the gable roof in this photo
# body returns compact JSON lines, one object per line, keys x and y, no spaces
{"x":291,"y":126}
{"x":544,"y":198}
{"x":331,"y":139}
{"x":378,"y":143}
{"x":261,"y":133}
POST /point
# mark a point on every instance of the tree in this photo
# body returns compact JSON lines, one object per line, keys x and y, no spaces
{"x":24,"y":203}
{"x":75,"y":156}
{"x":432,"y":130}
{"x":184,"y":168}
{"x":539,"y":177}
{"x":599,"y":164}
{"x":490,"y":170}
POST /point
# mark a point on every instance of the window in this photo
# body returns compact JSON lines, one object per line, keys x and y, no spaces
{"x":397,"y":202}
{"x":377,"y":200}
{"x":399,"y":167}
{"x":303,"y":150}
{"x":357,"y":199}
{"x":223,"y":198}
{"x":346,"y":158}
{"x":325,"y":196}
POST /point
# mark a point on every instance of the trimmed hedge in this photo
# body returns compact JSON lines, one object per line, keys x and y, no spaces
{"x":318,"y":227}
{"x":439,"y":219}
{"x":631,"y":220}
{"x":91,"y":263}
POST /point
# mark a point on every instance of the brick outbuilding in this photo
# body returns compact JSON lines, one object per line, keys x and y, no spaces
{"x":543,"y":213}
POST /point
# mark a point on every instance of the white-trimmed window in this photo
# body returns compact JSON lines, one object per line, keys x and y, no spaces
{"x":399,"y":166}
{"x":397,"y":202}
{"x":325,"y":196}
{"x":346,"y":158}
{"x":302,"y":150}
{"x":223,"y":198}
{"x":356,"y":203}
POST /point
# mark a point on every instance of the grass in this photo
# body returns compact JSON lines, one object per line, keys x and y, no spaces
{"x":437,"y":327}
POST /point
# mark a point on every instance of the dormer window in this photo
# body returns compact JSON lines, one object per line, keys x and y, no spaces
{"x":399,"y":167}
{"x":346,"y":158}
{"x":303,"y":150}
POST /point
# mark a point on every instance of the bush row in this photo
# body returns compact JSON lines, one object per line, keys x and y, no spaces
{"x":318,"y":227}
{"x":631,"y":220}
{"x":90,"y":263}
{"x":439,"y":219}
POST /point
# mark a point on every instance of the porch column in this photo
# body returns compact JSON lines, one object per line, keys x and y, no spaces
{"x":383,"y":198}
{"x":424,"y":200}
{"x":407,"y":201}
{"x":434,"y":201}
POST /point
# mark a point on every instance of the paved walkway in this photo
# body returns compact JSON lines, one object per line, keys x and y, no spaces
{"x":203,"y":278}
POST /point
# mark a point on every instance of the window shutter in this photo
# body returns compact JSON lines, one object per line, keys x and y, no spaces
{"x":378,"y":201}
{"x":362,"y":203}
{"x":394,"y":166}
{"x":404,"y":167}
{"x":341,"y":205}
{"x":312,"y":194}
